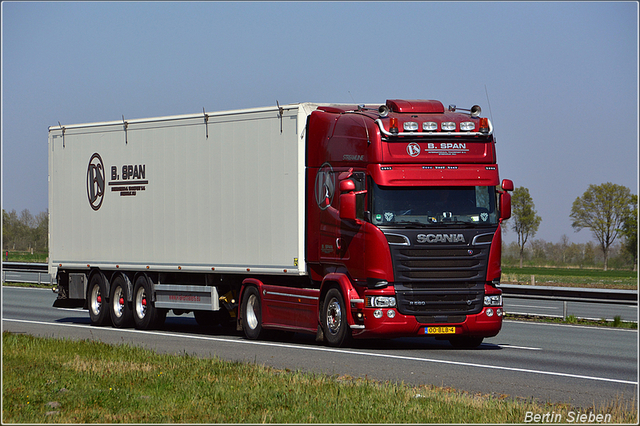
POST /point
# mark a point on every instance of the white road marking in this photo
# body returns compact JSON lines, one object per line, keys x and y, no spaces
{"x":508,"y":346}
{"x":334,"y":350}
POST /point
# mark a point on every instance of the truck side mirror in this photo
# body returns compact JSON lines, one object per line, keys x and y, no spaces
{"x":505,"y":205}
{"x":347,"y":200}
{"x":507,"y":185}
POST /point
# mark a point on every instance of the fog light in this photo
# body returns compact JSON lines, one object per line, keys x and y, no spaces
{"x":391,"y":313}
{"x":489,"y":312}
{"x":377,"y":313}
{"x":499,"y":312}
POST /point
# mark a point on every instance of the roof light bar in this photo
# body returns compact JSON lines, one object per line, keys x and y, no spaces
{"x":430,"y":128}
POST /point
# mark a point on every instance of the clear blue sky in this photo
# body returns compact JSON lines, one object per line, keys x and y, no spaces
{"x":562,"y":78}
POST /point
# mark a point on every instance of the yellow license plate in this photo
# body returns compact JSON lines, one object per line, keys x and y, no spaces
{"x":440,"y":330}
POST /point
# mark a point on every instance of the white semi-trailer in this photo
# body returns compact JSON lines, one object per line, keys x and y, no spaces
{"x":156,"y":210}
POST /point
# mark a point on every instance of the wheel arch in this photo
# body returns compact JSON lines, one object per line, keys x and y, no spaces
{"x":342,"y":283}
{"x":247,"y":282}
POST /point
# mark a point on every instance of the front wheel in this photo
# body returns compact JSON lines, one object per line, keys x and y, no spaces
{"x":334,"y":319}
{"x":252,"y":314}
{"x":145,"y":315}
{"x":98,"y":306}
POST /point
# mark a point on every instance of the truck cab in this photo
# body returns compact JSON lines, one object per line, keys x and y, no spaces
{"x":405,"y":203}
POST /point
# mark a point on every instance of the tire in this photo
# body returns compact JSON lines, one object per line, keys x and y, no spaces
{"x":334,"y":319}
{"x":145,"y":315}
{"x":252,"y":314}
{"x":465,"y":342}
{"x":120,"y":308}
{"x":97,"y":297}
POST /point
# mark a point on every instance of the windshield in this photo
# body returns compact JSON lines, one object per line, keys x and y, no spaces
{"x":473,"y":205}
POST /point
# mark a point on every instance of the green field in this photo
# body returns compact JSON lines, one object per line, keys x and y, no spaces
{"x":574,"y":277}
{"x":63,"y":381}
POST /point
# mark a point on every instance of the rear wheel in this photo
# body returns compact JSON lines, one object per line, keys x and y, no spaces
{"x":98,"y":306}
{"x":334,"y":319}
{"x":121,"y":313}
{"x":145,"y":315}
{"x":252,"y":313}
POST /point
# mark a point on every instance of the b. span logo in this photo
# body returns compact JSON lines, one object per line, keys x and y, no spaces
{"x":95,"y":181}
{"x":413,"y":149}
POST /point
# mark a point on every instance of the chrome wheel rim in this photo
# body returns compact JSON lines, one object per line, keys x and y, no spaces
{"x":118,"y":302}
{"x":96,"y":300}
{"x":334,"y":316}
{"x":141,"y":303}
{"x":251,"y":317}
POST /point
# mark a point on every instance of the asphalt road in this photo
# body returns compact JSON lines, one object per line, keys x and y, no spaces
{"x":551,"y":363}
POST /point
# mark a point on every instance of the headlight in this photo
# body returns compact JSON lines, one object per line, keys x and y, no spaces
{"x":410,"y":126}
{"x":467,"y":126}
{"x":448,"y":126}
{"x":494,"y":300}
{"x":430,"y":126}
{"x":381,"y":301}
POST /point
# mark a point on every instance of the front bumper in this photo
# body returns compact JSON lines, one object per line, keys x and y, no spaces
{"x":366,"y":325}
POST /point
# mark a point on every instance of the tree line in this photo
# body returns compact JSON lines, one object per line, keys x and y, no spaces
{"x":25,"y":232}
{"x":609,"y":210}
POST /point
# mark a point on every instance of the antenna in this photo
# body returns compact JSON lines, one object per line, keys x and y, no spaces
{"x":364,"y":123}
{"x":280,"y":113}
{"x":490,"y":112}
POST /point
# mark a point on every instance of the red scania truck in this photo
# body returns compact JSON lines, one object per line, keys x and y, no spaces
{"x":344,"y":221}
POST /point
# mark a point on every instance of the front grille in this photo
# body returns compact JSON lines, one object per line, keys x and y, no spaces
{"x":447,"y":299}
{"x":434,"y":264}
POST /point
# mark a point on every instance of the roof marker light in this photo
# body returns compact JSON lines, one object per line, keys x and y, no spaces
{"x":394,"y":125}
{"x":484,"y":125}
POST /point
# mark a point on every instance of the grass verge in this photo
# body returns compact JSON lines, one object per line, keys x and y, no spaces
{"x":571,"y":277}
{"x":64,"y":381}
{"x":571,"y":319}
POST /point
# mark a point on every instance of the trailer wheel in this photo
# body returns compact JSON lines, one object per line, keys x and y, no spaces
{"x":98,"y":306}
{"x":145,"y":315}
{"x":334,"y":319}
{"x":121,"y":313}
{"x":465,"y":342}
{"x":252,"y":313}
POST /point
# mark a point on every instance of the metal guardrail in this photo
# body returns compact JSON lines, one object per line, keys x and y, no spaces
{"x":571,"y":294}
{"x":32,"y":273}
